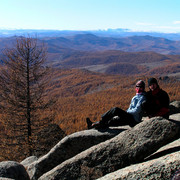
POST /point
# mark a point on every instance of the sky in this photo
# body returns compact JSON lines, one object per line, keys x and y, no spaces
{"x":136,"y":15}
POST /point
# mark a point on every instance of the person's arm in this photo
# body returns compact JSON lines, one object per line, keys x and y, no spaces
{"x":163,"y":111}
{"x":137,"y":108}
{"x":164,"y":103}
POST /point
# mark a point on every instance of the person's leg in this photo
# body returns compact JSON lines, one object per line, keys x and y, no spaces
{"x":111,"y":113}
{"x":117,"y":117}
{"x":122,"y":120}
{"x":113,"y":117}
{"x":104,"y":119}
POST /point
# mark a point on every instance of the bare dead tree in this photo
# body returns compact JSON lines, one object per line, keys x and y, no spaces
{"x":23,"y":96}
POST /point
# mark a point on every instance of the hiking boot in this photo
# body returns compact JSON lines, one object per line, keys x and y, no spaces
{"x":99,"y":125}
{"x":96,"y":125}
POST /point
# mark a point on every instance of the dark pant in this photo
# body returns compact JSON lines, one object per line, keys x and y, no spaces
{"x":124,"y":118}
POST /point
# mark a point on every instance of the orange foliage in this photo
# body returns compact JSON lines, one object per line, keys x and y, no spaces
{"x":168,"y":69}
{"x":82,"y":94}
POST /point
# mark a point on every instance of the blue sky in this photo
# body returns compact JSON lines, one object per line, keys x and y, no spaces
{"x":137,"y":15}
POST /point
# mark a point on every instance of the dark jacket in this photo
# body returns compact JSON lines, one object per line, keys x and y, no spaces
{"x":157,"y":103}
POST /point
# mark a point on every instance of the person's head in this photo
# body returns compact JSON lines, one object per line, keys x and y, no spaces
{"x":140,"y":86}
{"x":152,"y":84}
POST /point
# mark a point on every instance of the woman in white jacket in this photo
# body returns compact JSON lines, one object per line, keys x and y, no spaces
{"x":119,"y":117}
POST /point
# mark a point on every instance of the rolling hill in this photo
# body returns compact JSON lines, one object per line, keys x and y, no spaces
{"x":119,"y":62}
{"x":91,"y":42}
{"x":127,"y":55}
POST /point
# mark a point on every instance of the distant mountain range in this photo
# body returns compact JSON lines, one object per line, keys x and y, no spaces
{"x":91,"y":42}
{"x":113,"y":55}
{"x":105,"y":33}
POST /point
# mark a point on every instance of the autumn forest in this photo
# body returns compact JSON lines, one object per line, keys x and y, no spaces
{"x":71,"y":92}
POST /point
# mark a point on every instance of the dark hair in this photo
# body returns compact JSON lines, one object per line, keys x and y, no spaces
{"x":152,"y":81}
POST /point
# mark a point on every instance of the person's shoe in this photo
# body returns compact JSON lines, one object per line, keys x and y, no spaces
{"x":96,"y":125}
{"x":99,"y":125}
{"x":89,"y":123}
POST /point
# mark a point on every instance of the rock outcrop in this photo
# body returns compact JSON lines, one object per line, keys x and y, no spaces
{"x":163,"y":167}
{"x":13,"y":170}
{"x":174,"y":107}
{"x":68,"y":147}
{"x":150,"y":150}
{"x":129,"y":147}
{"x":29,"y":160}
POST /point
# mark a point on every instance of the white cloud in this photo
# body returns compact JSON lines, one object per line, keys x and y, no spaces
{"x":176,"y":22}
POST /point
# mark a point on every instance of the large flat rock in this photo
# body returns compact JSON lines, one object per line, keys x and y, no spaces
{"x":163,"y":168}
{"x":129,"y":147}
{"x":70,"y":146}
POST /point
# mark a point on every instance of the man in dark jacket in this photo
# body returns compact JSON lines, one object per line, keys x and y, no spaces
{"x":157,"y":100}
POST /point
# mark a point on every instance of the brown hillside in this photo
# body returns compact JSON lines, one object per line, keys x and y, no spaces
{"x":84,"y":94}
{"x":168,"y":69}
{"x":126,"y":69}
{"x":81,"y":94}
{"x":105,"y":57}
{"x":124,"y":63}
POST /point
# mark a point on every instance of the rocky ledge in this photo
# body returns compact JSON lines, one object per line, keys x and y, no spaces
{"x":150,"y":150}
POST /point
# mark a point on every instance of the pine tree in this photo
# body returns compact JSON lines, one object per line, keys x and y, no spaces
{"x":23,"y":80}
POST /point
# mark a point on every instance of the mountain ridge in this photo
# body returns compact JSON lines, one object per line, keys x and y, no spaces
{"x":91,"y":42}
{"x":118,"y":32}
{"x":88,"y":50}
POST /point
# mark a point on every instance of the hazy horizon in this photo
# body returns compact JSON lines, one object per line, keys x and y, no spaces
{"x":83,"y":15}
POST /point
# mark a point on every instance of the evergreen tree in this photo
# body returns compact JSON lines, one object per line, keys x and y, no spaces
{"x":23,"y":80}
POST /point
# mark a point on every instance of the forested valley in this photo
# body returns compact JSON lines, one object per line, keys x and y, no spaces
{"x":65,"y":97}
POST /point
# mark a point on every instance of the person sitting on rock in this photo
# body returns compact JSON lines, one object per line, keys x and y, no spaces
{"x":157,"y":103}
{"x":119,"y":117}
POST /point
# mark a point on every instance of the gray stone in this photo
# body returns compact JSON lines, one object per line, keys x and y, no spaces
{"x":175,"y":117}
{"x":167,"y":149}
{"x":162,"y":168}
{"x":129,"y":147}
{"x":174,"y":107}
{"x":176,"y":175}
{"x":162,"y":162}
{"x":68,"y":147}
{"x":26,"y":162}
{"x":13,"y":170}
